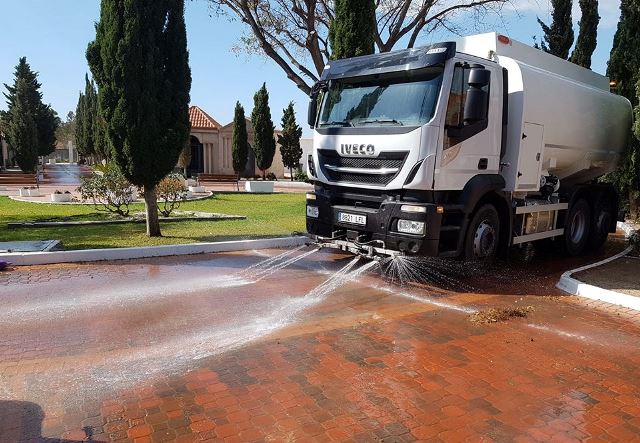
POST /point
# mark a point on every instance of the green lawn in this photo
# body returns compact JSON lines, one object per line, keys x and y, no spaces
{"x":267,"y":215}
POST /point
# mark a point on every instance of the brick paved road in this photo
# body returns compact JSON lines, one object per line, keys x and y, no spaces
{"x":188,"y":349}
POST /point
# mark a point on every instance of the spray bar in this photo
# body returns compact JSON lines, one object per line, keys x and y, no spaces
{"x":367,"y":250}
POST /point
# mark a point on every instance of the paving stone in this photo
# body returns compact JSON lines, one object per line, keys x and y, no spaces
{"x":364,"y":365}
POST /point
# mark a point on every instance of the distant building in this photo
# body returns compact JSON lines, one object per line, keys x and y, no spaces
{"x":65,"y":153}
{"x":211,"y":151}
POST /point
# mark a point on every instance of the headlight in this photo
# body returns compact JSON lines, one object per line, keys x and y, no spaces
{"x":411,"y":227}
{"x":311,"y":196}
{"x":413,"y":208}
{"x":312,"y":211}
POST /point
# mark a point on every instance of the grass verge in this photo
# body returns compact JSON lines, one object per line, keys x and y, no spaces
{"x":268,"y":215}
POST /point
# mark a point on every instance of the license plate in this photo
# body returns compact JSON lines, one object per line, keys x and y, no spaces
{"x":355,"y":219}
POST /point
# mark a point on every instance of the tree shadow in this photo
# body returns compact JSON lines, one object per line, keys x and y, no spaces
{"x":21,"y":422}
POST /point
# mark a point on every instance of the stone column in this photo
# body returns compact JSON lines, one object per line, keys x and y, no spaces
{"x":205,"y":158}
{"x":70,"y":148}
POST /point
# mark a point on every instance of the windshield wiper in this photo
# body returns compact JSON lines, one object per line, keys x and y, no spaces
{"x":337,"y":123}
{"x":392,"y":121}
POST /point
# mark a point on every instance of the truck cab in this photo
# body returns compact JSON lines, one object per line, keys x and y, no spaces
{"x":429,"y":151}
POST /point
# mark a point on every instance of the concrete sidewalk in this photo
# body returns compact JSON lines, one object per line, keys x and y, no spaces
{"x":613,"y":280}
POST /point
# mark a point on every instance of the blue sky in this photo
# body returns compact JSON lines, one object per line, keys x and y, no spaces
{"x":53,"y":35}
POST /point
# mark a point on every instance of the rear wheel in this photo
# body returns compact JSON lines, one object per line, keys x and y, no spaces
{"x":483,"y":234}
{"x":576,"y":231}
{"x":602,"y":218}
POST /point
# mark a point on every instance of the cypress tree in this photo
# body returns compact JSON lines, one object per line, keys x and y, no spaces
{"x":290,"y":140}
{"x":588,"y":35}
{"x":637,"y":112}
{"x":140,"y":62}
{"x":352,"y":31}
{"x":624,"y":70}
{"x":558,"y":38}
{"x":80,"y":137}
{"x":100,"y":140}
{"x":239,"y":140}
{"x":264,"y":141}
{"x":91,"y":109}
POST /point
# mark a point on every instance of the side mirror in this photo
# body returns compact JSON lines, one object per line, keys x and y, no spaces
{"x":312,"y":113}
{"x":476,"y":105}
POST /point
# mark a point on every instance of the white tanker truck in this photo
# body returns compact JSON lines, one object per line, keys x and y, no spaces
{"x":463,"y":148}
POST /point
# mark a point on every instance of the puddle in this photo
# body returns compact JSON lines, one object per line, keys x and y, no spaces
{"x":111,"y":358}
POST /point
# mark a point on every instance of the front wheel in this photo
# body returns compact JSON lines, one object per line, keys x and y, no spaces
{"x":576,"y":230}
{"x":483,"y":234}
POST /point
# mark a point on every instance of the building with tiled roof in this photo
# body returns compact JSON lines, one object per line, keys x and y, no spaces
{"x":201,"y":120}
{"x":211,"y":151}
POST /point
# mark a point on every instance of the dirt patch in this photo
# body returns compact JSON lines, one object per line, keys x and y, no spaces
{"x":495,"y":315}
{"x":620,"y":276}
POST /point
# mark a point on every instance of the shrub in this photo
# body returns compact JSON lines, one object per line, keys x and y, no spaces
{"x":102,"y":168}
{"x":272,"y":176}
{"x":301,"y":176}
{"x":171,"y":191}
{"x":110,"y":192}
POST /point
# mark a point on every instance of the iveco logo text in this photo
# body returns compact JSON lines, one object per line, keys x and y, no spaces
{"x":356,"y":149}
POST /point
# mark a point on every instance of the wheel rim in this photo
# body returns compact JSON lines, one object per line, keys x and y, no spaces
{"x":484,"y":241}
{"x":578,"y":227}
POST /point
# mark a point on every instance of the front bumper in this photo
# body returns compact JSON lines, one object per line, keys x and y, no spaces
{"x":381,"y":225}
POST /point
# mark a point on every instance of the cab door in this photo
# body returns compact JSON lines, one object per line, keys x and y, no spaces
{"x":468,"y":151}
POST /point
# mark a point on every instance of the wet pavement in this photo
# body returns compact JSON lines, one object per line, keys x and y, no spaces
{"x":65,"y":174}
{"x":221,"y":348}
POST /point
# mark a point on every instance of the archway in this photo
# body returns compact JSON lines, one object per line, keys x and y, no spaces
{"x":197,"y":158}
{"x":250,"y":168}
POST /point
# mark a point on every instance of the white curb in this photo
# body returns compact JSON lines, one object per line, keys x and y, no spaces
{"x":91,"y":255}
{"x":576,"y":287}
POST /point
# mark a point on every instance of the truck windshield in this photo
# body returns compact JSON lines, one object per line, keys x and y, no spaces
{"x":401,"y":100}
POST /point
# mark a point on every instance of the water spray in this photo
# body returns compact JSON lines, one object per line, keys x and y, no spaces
{"x":372,"y":250}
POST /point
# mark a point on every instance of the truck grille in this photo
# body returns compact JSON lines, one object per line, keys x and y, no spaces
{"x":378,"y":171}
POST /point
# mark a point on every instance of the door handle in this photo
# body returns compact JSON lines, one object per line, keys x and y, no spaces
{"x":483,"y":163}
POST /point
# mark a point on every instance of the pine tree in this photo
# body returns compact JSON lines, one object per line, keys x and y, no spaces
{"x":352,"y":31}
{"x":184,"y":159}
{"x":588,"y":35}
{"x":624,"y":70}
{"x":47,"y":123}
{"x":239,"y":140}
{"x":558,"y":38}
{"x":140,"y":63}
{"x":44,"y":118}
{"x":290,"y":140}
{"x":66,"y":130}
{"x":22,"y":133}
{"x":264,"y":141}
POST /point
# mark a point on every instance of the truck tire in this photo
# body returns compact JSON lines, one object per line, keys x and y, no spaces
{"x":483,"y":235}
{"x":576,"y":230}
{"x":602,"y":217}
